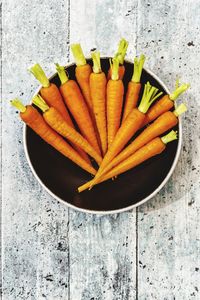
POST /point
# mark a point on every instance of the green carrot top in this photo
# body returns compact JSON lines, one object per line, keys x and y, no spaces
{"x":171,"y":136}
{"x":78,"y":55}
{"x":121,"y":52}
{"x":39,"y":74}
{"x":150,"y":94}
{"x":61,"y":73}
{"x":39,"y":102}
{"x":178,"y":91}
{"x":180,"y":109}
{"x":18,"y":104}
{"x":96,"y":61}
{"x":114,"y":64}
{"x":138,"y":66}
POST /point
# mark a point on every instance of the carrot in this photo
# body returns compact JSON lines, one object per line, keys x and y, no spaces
{"x":164,"y":104}
{"x":82,"y":72}
{"x":130,"y":126}
{"x":55,"y":120}
{"x":115,"y":92}
{"x":163,"y":123}
{"x":53,"y":97}
{"x":134,"y":87}
{"x":98,"y":94}
{"x":50,"y":92}
{"x":34,"y":120}
{"x":120,"y":54}
{"x":152,"y":148}
{"x":77,"y":106}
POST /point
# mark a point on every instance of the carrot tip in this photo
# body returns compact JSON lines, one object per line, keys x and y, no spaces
{"x":150,"y":94}
{"x":39,"y":102}
{"x":61,"y":73}
{"x":78,"y":54}
{"x":178,"y":91}
{"x":138,"y":66}
{"x":39,"y":74}
{"x":121,"y":52}
{"x":115,"y":68}
{"x":171,"y":136}
{"x":18,"y":104}
{"x":180,"y":109}
{"x":96,"y":61}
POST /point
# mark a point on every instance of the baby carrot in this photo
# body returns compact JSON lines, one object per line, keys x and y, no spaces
{"x":98,"y":94}
{"x":130,"y":126}
{"x":152,"y":148}
{"x":34,"y":120}
{"x":134,"y":87}
{"x":77,"y":106}
{"x":163,"y":123}
{"x":115,"y":92}
{"x":50,"y":92}
{"x":52,"y":96}
{"x":120,"y":54}
{"x":55,"y":120}
{"x":164,"y":104}
{"x":82,"y":72}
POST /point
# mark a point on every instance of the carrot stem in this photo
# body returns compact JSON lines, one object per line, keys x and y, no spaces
{"x":39,"y":74}
{"x":115,"y":68}
{"x":121,"y":52}
{"x":78,"y":54}
{"x":18,"y":104}
{"x":180,"y":109}
{"x":39,"y":102}
{"x":96,"y":62}
{"x":178,"y":91}
{"x":148,"y":97}
{"x":171,"y":136}
{"x":138,"y":66}
{"x":61,"y":73}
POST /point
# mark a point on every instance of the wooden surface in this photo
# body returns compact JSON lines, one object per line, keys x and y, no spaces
{"x":52,"y":252}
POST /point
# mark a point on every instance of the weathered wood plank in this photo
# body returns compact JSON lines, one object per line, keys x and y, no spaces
{"x":102,"y":249}
{"x":35,"y":226}
{"x":100,"y":261}
{"x":168,"y":226}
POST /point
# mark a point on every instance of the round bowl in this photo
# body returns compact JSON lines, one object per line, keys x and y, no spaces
{"x":60,"y":177}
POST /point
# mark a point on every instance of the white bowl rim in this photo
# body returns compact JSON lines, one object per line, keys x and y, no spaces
{"x":127,"y":208}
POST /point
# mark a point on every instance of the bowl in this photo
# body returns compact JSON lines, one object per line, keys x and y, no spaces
{"x":60,"y":177}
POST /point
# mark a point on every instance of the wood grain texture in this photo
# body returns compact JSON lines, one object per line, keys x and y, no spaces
{"x":168,"y":226}
{"x":50,"y":252}
{"x":102,"y":249}
{"x":35,"y":226}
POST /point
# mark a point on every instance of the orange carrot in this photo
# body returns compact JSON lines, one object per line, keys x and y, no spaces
{"x":50,"y":92}
{"x":164,"y":104}
{"x":134,"y":87}
{"x":77,"y":106}
{"x":115,"y":92}
{"x":152,"y":148}
{"x":163,"y":123}
{"x":55,"y":120}
{"x":53,"y":97}
{"x":82,"y":72}
{"x":130,"y":126}
{"x":98,"y":94}
{"x":120,"y":54}
{"x":34,"y":120}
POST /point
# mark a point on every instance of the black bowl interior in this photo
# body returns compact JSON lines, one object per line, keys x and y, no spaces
{"x":62,"y":177}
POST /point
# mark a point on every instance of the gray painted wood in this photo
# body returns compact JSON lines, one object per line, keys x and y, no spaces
{"x":102,"y":249}
{"x":169,"y":226}
{"x":51,"y":252}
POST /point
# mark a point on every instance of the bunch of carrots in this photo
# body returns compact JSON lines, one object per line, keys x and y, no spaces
{"x":91,"y":117}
